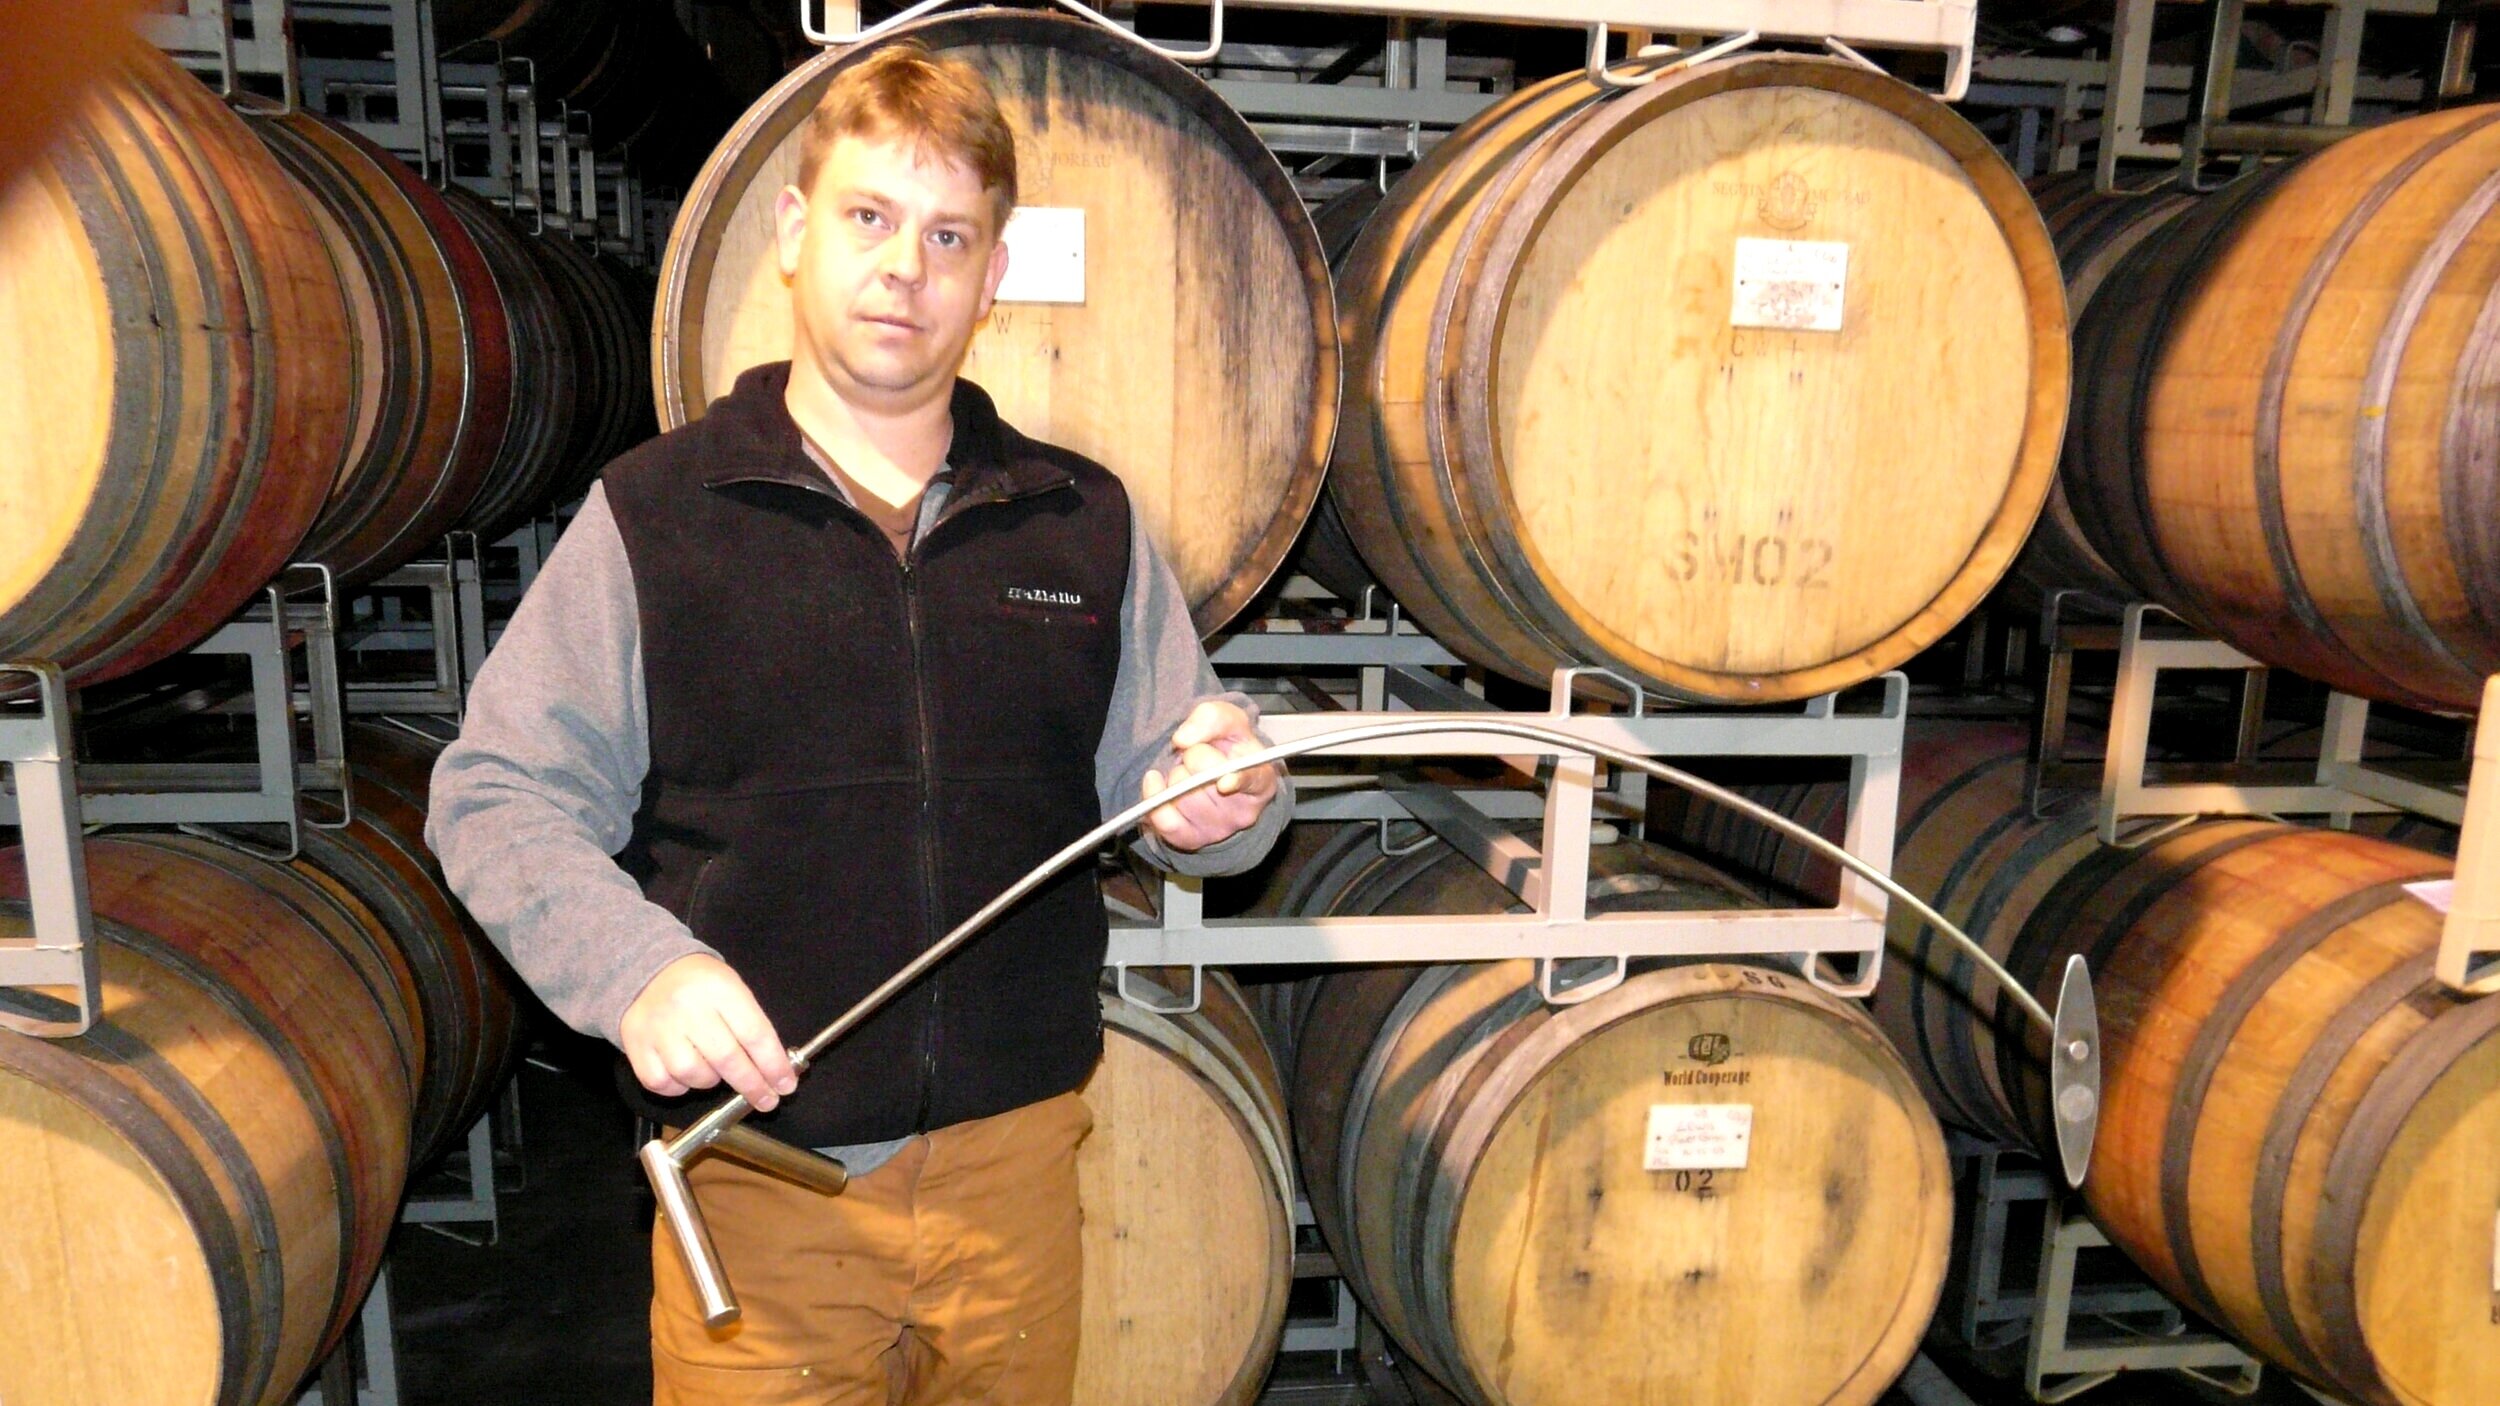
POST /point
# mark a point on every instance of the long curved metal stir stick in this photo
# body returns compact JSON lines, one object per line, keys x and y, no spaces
{"x":2073,"y":1031}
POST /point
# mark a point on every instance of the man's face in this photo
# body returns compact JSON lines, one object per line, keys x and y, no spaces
{"x":893,"y":258}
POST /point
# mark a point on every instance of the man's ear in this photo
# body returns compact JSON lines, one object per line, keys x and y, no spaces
{"x":997,"y":274}
{"x":789,"y":228}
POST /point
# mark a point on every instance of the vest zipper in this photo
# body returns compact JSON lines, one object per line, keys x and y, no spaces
{"x":930,"y":916}
{"x":931,"y":930}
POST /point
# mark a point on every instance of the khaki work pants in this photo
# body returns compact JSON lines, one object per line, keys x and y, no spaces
{"x":950,"y":1274}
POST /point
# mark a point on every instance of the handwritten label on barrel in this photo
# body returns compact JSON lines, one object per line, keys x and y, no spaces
{"x":1795,"y":285}
{"x":1045,"y":255}
{"x":1698,"y":1137}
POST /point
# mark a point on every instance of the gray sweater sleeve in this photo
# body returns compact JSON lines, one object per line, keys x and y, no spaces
{"x":539,"y":792}
{"x":1164,"y":674}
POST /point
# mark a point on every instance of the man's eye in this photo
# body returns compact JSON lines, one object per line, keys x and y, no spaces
{"x":949,"y":238}
{"x":867,"y":216}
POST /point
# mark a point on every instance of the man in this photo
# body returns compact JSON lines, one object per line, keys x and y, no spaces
{"x":824,"y":671}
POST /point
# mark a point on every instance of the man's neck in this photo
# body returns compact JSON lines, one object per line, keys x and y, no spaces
{"x":892,"y":453}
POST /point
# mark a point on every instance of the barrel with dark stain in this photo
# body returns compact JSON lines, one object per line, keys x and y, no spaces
{"x":2297,"y":1119}
{"x":223,"y":1153}
{"x":1200,"y":364}
{"x":1479,"y":1161}
{"x":2286,"y":403}
{"x":178,"y":362}
{"x":434,"y":355}
{"x":1747,"y":383}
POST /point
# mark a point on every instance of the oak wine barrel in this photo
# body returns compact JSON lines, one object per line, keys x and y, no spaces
{"x":467,"y":995}
{"x":550,"y":374}
{"x":2285,"y":407}
{"x":1478,"y":1161}
{"x":2297,"y":1118}
{"x":607,"y":310}
{"x":223,"y":1153}
{"x":434,"y":355}
{"x":1187,"y":1185}
{"x":180,"y":372}
{"x":1747,"y":383}
{"x":2092,"y":231}
{"x":1201,"y":365}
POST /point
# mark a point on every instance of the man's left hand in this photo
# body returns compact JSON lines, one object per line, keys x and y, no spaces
{"x":1215,"y":733}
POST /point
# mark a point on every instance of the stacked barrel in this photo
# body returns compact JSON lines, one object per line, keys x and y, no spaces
{"x":2284,"y":395}
{"x":277,"y":1045}
{"x":2297,"y":1117}
{"x":242,"y":340}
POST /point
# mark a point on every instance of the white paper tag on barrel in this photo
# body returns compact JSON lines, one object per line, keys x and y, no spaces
{"x":1698,"y":1137}
{"x":1791,"y":285}
{"x":1045,"y":255}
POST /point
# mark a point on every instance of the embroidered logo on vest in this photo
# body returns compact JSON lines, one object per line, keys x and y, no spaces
{"x":1035,"y":595}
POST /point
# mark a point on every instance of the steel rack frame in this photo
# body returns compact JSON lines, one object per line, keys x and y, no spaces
{"x":1948,"y":27}
{"x":2074,"y":1335}
{"x":2341,"y":784}
{"x":1578,"y":955}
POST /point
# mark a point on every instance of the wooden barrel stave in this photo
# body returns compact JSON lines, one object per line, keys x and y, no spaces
{"x":345,"y":1010}
{"x":1222,"y":443}
{"x":2093,"y":232}
{"x":1185,"y":1277}
{"x":549,"y":374}
{"x":469,"y":996}
{"x":209,"y":303}
{"x":1408,"y":1091}
{"x":437,"y":352}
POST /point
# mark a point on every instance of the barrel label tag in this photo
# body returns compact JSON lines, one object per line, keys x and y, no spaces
{"x":1697,"y":1137}
{"x":1793,"y":285}
{"x":1046,"y":255}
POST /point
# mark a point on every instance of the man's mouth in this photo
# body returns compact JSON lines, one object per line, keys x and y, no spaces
{"x":901,"y":323}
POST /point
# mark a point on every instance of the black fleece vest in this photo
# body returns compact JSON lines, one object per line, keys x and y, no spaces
{"x":850,"y":752}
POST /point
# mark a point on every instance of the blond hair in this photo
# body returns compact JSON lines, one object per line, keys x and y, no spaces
{"x":939,"y":105}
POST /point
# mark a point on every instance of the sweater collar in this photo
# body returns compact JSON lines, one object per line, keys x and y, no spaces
{"x":988,"y":458}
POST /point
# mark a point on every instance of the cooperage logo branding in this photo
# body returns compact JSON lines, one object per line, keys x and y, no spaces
{"x":1711,"y":1049}
{"x":1035,"y":595}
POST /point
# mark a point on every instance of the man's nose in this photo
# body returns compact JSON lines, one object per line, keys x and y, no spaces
{"x":903,"y":261}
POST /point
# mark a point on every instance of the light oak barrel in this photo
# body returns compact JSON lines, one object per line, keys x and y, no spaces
{"x":1561,"y":448}
{"x":434,"y":363}
{"x":1201,"y":367}
{"x":227,"y":1146}
{"x":2297,"y":1120}
{"x":2289,"y":393}
{"x":180,"y":390}
{"x":1187,"y":1187}
{"x":1476,"y":1159}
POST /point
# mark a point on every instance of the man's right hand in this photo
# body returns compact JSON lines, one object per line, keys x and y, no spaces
{"x":695,"y":1026}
